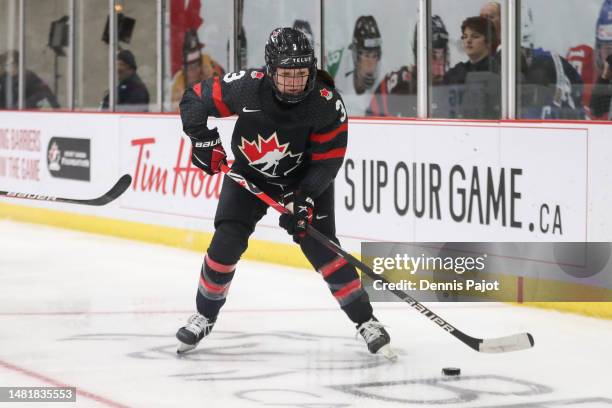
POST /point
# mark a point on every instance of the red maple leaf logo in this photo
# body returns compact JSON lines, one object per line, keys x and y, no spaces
{"x":326,"y":94}
{"x":266,"y":155}
{"x":256,"y":150}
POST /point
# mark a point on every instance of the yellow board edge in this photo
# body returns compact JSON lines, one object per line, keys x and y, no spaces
{"x":259,"y":250}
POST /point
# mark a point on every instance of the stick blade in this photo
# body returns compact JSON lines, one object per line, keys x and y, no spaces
{"x":119,"y":188}
{"x":507,"y":344}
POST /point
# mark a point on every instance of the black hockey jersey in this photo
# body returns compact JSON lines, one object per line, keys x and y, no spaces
{"x":300,"y":145}
{"x":395,"y":95}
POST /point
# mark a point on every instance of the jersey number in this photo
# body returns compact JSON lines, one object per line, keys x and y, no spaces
{"x":340,"y":107}
{"x":232,"y":76}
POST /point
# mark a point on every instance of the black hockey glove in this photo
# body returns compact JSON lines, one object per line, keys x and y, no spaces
{"x":303,"y":209}
{"x":207,"y":153}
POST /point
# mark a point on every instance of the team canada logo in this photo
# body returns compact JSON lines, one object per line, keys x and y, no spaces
{"x":54,"y":156}
{"x":327,"y":94}
{"x":267,"y":156}
{"x":257,"y":74}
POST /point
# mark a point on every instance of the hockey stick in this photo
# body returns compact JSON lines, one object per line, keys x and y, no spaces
{"x":514,"y":342}
{"x":119,"y":188}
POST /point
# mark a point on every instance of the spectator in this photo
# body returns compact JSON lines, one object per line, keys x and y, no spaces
{"x":476,"y":82}
{"x":492,"y":11}
{"x":582,"y":58}
{"x":37,"y":94}
{"x":479,"y":37}
{"x":304,"y":27}
{"x":551,"y":88}
{"x":602,"y":92}
{"x":392,"y":97}
{"x":356,"y":75}
{"x":132,"y":93}
{"x":197,"y":66}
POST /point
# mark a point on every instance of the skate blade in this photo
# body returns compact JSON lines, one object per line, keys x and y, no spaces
{"x":388,"y":353}
{"x":183,"y":348}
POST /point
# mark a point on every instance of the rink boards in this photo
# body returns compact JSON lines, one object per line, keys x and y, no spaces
{"x":402,"y":180}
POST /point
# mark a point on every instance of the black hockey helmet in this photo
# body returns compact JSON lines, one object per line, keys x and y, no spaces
{"x":366,"y":35}
{"x":289,"y":48}
{"x":439,"y":35}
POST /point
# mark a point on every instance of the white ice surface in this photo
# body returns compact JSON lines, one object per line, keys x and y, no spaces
{"x":100,"y":314}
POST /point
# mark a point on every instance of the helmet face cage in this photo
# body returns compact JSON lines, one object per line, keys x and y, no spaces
{"x":289,"y":48}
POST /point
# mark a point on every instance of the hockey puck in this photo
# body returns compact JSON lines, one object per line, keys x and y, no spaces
{"x":451,"y":371}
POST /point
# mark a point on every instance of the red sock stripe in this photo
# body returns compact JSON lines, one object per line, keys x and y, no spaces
{"x":219,"y":267}
{"x":218,"y":99}
{"x":332,"y":266}
{"x":348,"y":289}
{"x":326,"y":137}
{"x":211,"y":287}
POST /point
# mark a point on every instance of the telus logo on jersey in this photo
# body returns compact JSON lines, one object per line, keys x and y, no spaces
{"x":267,"y":156}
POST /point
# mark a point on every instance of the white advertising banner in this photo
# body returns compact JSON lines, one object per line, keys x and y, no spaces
{"x":453,"y":182}
{"x":59,"y":154}
{"x":402,"y":180}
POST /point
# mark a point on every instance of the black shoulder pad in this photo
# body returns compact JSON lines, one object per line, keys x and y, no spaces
{"x":325,"y":77}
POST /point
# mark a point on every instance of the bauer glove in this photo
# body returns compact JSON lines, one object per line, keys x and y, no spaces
{"x":207,"y":153}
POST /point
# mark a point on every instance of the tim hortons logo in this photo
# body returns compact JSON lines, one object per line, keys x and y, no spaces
{"x":266,"y":155}
{"x":152,"y":174}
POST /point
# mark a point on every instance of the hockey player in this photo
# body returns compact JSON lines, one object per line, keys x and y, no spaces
{"x":304,"y":27}
{"x":601,"y":106}
{"x":356,"y":72}
{"x":582,"y":58}
{"x":551,"y":88}
{"x":391,"y":97}
{"x":290,"y":138}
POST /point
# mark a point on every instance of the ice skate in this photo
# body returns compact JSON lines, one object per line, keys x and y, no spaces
{"x":377,"y":338}
{"x":196,"y":329}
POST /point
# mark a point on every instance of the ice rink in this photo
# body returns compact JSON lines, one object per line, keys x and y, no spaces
{"x":100,"y":313}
